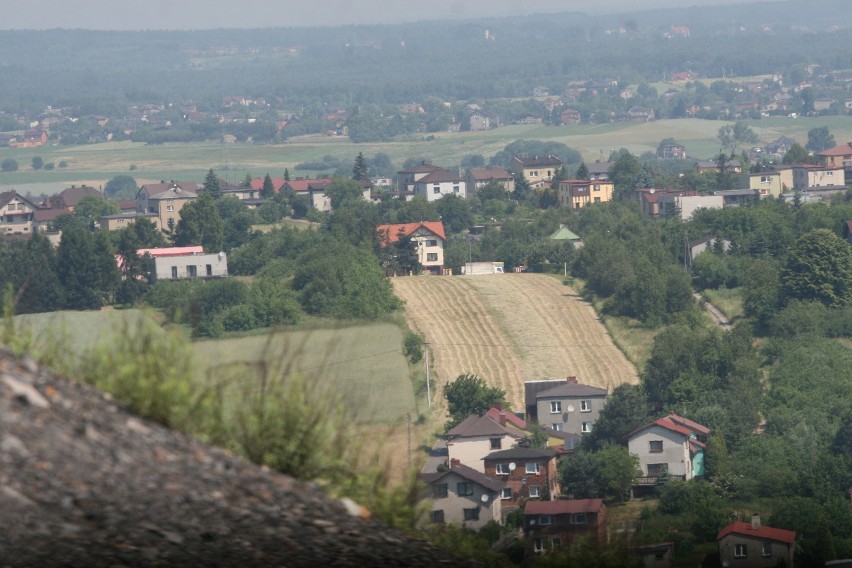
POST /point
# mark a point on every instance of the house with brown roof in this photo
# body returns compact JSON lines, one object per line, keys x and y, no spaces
{"x":570,"y":116}
{"x":570,"y":406}
{"x":165,"y":200}
{"x":552,"y":525}
{"x":438,"y":183}
{"x":70,"y":196}
{"x":477,"y":436}
{"x":537,"y":170}
{"x":671,"y":447}
{"x":429,"y":236}
{"x":16,"y":213}
{"x":755,"y":545}
{"x":463,"y":496}
{"x":478,"y":177}
{"x":528,"y":474}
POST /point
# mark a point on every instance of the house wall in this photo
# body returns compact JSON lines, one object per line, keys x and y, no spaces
{"x":519,"y":481}
{"x":453,"y":505}
{"x":595,"y":527}
{"x":571,"y":421}
{"x":754,"y":549}
{"x":675,"y":452}
{"x":435,"y":191}
{"x":804,"y":178}
{"x":768,"y":183}
{"x":16,"y":217}
{"x":424,"y":250}
{"x":471,"y":450}
{"x":689,"y":204}
{"x":164,"y":265}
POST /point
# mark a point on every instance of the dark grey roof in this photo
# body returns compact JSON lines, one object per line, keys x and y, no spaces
{"x":475,"y":425}
{"x":532,"y":388}
{"x":521,"y":454}
{"x":571,"y":390}
{"x":549,"y":160}
{"x":468,"y":473}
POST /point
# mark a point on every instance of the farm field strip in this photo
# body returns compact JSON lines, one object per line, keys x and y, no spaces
{"x":510,"y":328}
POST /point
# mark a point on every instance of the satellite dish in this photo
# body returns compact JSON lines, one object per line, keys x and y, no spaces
{"x":652,"y":191}
{"x":512,"y":466}
{"x":484,"y":498}
{"x":570,"y":408}
{"x":532,"y":521}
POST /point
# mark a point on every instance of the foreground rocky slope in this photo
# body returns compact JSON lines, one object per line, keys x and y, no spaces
{"x":85,"y":483}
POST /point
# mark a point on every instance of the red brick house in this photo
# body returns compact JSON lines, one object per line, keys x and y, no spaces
{"x":529,"y":474}
{"x":550,"y":525}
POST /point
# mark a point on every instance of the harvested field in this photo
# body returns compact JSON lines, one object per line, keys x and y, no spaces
{"x":510,"y":328}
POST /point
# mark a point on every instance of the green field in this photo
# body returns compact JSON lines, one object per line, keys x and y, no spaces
{"x":96,"y":163}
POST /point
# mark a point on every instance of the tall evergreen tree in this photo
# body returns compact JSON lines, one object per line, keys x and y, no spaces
{"x":105,"y":266}
{"x":268,"y":189}
{"x":582,"y":171}
{"x":287,"y":174}
{"x":360,"y":170}
{"x":211,"y":184}
{"x":76,"y":268}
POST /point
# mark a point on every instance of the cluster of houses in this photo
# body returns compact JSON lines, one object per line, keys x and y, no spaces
{"x":485,"y":469}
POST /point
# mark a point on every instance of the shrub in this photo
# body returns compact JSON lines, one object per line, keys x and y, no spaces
{"x":413,"y":347}
{"x":238,"y":318}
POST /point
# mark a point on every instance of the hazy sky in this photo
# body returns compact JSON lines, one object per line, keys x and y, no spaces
{"x":205,"y":14}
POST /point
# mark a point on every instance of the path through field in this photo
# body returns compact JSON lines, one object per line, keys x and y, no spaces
{"x":509,"y":328}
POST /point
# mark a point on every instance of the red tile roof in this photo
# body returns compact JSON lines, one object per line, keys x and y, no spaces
{"x":677,"y":424}
{"x":391,"y":232}
{"x":839,"y":150}
{"x":171,"y":251}
{"x":563,"y":507}
{"x":764,"y":532}
{"x":495,"y":413}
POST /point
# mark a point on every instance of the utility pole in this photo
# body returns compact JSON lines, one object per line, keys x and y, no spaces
{"x":428,"y":386}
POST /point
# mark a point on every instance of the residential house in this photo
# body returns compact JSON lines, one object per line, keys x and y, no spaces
{"x":658,"y":555}
{"x":710,"y":166}
{"x":16,"y":214}
{"x":839,"y":156}
{"x":683,"y":206}
{"x":640,"y":114}
{"x":809,"y":176}
{"x":478,"y":177}
{"x":278,"y":185}
{"x":29,"y":139}
{"x":577,"y":193}
{"x":477,"y":436}
{"x":570,"y":116}
{"x":767,"y":183}
{"x":570,"y":407}
{"x":528,"y":474}
{"x":655,"y":202}
{"x":69,"y":197}
{"x":166,"y":200}
{"x":438,"y":183}
{"x":529,"y":118}
{"x":738,"y":197}
{"x":755,"y":545}
{"x":598,"y":170}
{"x":479,"y":122}
{"x":429,"y":236}
{"x":552,"y":525}
{"x":778,"y":147}
{"x":531,"y":390}
{"x":122,"y":220}
{"x":671,"y":152}
{"x":672,"y":446}
{"x":406,"y":178}
{"x":180,"y":263}
{"x":538,"y":170}
{"x":43,"y":218}
{"x":463,"y":496}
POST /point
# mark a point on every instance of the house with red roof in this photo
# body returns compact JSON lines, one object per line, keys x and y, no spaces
{"x":551,"y":525}
{"x":839,"y":156}
{"x":672,"y":446}
{"x":755,"y":545}
{"x":429,"y":236}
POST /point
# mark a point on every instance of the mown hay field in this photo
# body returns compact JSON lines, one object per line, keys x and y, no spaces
{"x":510,"y":328}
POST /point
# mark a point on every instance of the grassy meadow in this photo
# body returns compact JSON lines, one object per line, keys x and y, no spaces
{"x":96,"y":163}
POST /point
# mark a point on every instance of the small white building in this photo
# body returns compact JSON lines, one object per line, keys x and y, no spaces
{"x":672,"y":446}
{"x":188,"y":265}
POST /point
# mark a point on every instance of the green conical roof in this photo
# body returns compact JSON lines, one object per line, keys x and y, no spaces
{"x":564,"y":234}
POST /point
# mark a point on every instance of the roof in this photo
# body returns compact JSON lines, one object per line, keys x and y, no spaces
{"x":549,"y":160}
{"x":764,"y":532}
{"x":257,"y":183}
{"x":532,"y":388}
{"x":475,"y":425}
{"x":421,"y":168}
{"x":7,"y":196}
{"x":521,"y":454}
{"x":571,"y":390}
{"x":170,"y":190}
{"x":171,"y":251}
{"x":391,"y":232}
{"x":481,"y":174}
{"x":677,"y":424}
{"x":839,"y":150}
{"x":564,"y":234}
{"x":598,"y":167}
{"x":494,"y":414}
{"x":563,"y":507}
{"x":468,"y":473}
{"x":439,"y":175}
{"x":72,"y":195}
{"x":45,"y":215}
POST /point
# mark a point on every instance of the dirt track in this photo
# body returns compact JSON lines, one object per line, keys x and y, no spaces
{"x":509,"y":328}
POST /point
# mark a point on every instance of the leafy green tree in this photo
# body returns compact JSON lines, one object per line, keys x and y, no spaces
{"x":716,"y":456}
{"x":200,"y":223}
{"x":9,"y":165}
{"x":106,"y":267}
{"x":762,"y":290}
{"x":360,"y":170}
{"x":626,"y":409}
{"x":609,"y":471}
{"x":820,"y":139}
{"x":455,"y":213}
{"x":818,"y":267}
{"x":268,"y":189}
{"x":91,"y":208}
{"x":38,"y":162}
{"x":625,"y":173}
{"x":343,"y":191}
{"x":211,"y":184}
{"x":732,"y":137}
{"x":77,"y":270}
{"x":797,"y":154}
{"x":30,"y":268}
{"x":469,"y":394}
{"x":406,"y":254}
{"x":121,"y":187}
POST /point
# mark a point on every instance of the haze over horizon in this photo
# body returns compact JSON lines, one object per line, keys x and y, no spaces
{"x":217,"y":14}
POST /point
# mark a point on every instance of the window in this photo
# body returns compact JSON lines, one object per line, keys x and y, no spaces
{"x":587,"y":427}
{"x":597,"y":199}
{"x":555,"y":406}
{"x":431,"y":256}
{"x":597,"y":187}
{"x":506,"y":493}
{"x":209,"y":270}
{"x":471,"y":514}
{"x":655,"y":469}
{"x":740,"y":551}
{"x":534,"y":492}
{"x":578,"y":519}
{"x":496,"y":443}
{"x":191,"y":270}
{"x":464,"y":489}
{"x":655,"y":446}
{"x":585,"y":406}
{"x":436,"y":516}
{"x":555,"y":543}
{"x":556,"y":426}
{"x":439,"y":490}
{"x":767,"y":549}
{"x":503,"y":469}
{"x":431,"y":243}
{"x":455,"y":188}
{"x":533,"y":173}
{"x":537,"y":545}
{"x":174,"y":272}
{"x":545,"y":520}
{"x":532,"y":467}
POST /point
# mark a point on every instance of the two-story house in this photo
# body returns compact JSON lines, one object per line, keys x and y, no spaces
{"x":538,"y":170}
{"x":528,"y":473}
{"x":754,"y":544}
{"x":438,"y":183}
{"x":16,"y":214}
{"x":598,"y":170}
{"x":809,"y":176}
{"x":165,"y":200}
{"x":672,"y":446}
{"x":570,"y":407}
{"x":478,"y":177}
{"x":551,"y":525}
{"x":767,"y":183}
{"x":478,"y":436}
{"x":430,"y":239}
{"x":577,"y":193}
{"x":463,"y":496}
{"x":839,"y":156}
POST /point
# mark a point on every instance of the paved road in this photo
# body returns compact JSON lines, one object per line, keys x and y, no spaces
{"x":714,"y":312}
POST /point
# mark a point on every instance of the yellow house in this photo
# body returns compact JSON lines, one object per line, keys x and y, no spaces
{"x":577,"y":193}
{"x":165,"y":200}
{"x":767,"y":183}
{"x":538,"y":170}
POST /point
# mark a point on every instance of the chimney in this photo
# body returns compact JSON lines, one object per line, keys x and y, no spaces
{"x":572,"y":380}
{"x":755,"y":521}
{"x":496,"y":405}
{"x":454,"y":462}
{"x":502,"y":419}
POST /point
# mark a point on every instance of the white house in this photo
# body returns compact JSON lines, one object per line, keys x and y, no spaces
{"x":672,"y":446}
{"x":438,"y":183}
{"x":478,"y":436}
{"x":179,"y":263}
{"x":430,"y":239}
{"x":463,"y":496}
